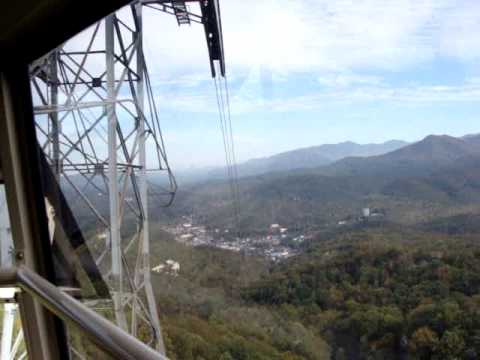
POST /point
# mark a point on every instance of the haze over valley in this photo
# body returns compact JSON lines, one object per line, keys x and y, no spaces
{"x":340,"y":251}
{"x":358,"y":250}
{"x":410,"y":183}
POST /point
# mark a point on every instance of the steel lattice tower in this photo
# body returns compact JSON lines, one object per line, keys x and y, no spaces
{"x":93,"y":129}
{"x":97,"y":125}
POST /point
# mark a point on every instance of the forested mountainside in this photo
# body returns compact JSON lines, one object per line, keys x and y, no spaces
{"x":370,"y":292}
{"x":315,"y":156}
{"x":402,"y":284}
{"x":303,"y":158}
{"x":438,"y":176}
{"x":205,"y":317}
{"x":384,"y":294}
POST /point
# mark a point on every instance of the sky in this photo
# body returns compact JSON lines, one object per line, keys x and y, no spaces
{"x":309,"y":72}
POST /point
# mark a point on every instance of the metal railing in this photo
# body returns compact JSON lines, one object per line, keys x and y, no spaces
{"x":107,"y":336}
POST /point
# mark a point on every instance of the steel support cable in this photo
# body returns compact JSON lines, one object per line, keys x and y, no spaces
{"x":156,"y":124}
{"x":158,"y":137}
{"x":227,"y":147}
{"x":161,"y":150}
{"x":232,"y":144}
{"x":221,"y":107}
{"x":231,"y":155}
{"x":224,"y":136}
{"x":229,"y":134}
{"x":154,"y":112}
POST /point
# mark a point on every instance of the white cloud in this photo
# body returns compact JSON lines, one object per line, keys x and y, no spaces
{"x":349,"y":34}
{"x":172,"y":51}
{"x":312,"y":35}
{"x":348,"y":79}
{"x":343,"y":44}
{"x":458,"y":36}
{"x":364,"y":90}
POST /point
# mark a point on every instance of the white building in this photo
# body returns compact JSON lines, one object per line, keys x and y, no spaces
{"x":170,"y":267}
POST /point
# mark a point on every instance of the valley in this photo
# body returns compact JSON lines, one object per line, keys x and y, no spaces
{"x":437,"y":177}
{"x":366,"y":257}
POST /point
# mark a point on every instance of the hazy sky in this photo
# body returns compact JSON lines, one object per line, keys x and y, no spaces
{"x":307,"y":72}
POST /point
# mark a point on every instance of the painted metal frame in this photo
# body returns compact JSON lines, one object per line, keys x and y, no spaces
{"x":108,"y":337}
{"x":44,"y":333}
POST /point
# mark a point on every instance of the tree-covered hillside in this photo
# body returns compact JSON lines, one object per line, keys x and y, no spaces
{"x":205,"y":317}
{"x":382,"y":294}
{"x":369,"y":292}
{"x":436,"y":177}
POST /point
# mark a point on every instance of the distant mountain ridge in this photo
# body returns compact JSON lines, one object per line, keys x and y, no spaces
{"x":314,"y":156}
{"x":418,"y":159}
{"x":440,"y":171}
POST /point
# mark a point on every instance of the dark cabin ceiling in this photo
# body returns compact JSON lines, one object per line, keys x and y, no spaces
{"x":31,"y":28}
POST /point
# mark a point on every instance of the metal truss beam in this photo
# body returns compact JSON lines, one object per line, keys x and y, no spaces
{"x":209,"y":17}
{"x":102,"y":131}
{"x":143,"y":267}
{"x":96,"y":129}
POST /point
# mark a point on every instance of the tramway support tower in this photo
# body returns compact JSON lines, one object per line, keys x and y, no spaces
{"x":98,"y":127}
